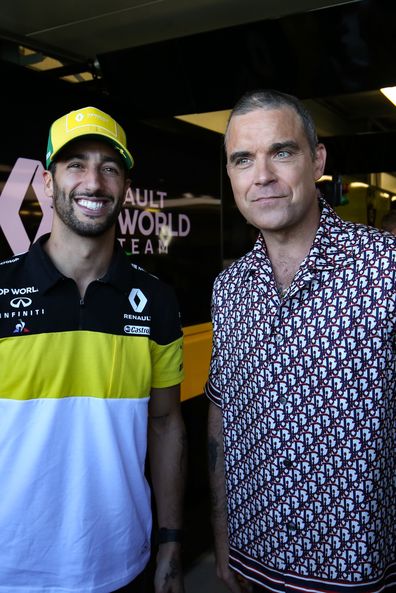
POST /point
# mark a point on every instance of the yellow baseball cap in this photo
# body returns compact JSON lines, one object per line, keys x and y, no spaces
{"x":87,"y":121}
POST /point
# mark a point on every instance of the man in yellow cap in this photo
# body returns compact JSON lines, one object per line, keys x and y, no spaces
{"x":91,"y":363}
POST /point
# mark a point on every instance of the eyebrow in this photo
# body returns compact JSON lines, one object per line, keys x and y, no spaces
{"x":83,"y":157}
{"x":274,"y":148}
{"x":239,"y":154}
{"x":290,"y":144}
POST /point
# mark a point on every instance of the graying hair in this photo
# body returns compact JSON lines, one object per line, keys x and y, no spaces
{"x":271,"y":99}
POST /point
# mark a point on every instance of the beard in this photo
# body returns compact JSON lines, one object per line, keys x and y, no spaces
{"x":64,"y":208}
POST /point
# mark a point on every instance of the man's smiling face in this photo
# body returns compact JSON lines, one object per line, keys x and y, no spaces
{"x":88,"y":186}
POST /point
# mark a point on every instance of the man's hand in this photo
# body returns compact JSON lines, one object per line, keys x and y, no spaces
{"x":233,"y":581}
{"x":168,"y":455}
{"x":236,"y":583}
{"x":169,"y":574}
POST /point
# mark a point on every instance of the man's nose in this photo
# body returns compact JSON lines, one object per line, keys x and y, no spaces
{"x":264,"y":171}
{"x":92,"y":178}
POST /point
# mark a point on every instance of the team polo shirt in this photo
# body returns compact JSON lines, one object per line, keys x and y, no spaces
{"x":75,"y":382}
{"x":306,"y":382}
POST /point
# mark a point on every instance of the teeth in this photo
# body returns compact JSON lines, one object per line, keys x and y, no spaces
{"x":91,"y":205}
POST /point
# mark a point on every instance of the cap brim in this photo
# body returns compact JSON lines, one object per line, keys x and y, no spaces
{"x":124,"y":153}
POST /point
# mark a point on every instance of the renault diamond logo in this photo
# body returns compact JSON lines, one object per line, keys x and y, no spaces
{"x":137,"y":300}
{"x":26,"y":173}
{"x":20,"y":302}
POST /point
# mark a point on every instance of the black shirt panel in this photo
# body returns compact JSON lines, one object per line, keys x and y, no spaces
{"x":126,"y":301}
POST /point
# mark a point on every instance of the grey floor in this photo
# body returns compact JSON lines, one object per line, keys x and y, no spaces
{"x":201,"y":577}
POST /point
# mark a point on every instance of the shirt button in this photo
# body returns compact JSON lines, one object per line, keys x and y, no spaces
{"x":282,"y":400}
{"x":291,"y":526}
{"x":287,"y":463}
{"x":278,"y":339}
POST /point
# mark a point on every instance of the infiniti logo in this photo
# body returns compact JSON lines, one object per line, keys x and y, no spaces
{"x":20,"y":302}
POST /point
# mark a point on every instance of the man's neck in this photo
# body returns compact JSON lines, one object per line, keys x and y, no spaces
{"x":287,"y":250}
{"x":84,"y":259}
{"x":285,"y":263}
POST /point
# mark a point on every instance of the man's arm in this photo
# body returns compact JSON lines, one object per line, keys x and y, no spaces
{"x":168,"y":458}
{"x":219,"y":502}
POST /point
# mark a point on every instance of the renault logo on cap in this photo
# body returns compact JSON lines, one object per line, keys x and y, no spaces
{"x":20,"y":302}
{"x":137,"y":300}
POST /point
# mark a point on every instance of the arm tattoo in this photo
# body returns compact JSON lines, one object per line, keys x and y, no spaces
{"x":213,"y":447}
{"x":173,"y":572}
{"x":183,"y":451}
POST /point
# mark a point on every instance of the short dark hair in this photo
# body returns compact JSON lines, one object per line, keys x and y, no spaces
{"x":271,"y":99}
{"x":389,"y":221}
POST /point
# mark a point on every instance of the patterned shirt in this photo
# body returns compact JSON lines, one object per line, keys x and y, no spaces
{"x":306,"y":382}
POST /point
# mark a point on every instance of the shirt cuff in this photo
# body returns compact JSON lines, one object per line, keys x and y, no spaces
{"x":213,"y":393}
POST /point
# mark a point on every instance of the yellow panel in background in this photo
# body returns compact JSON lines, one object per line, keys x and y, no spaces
{"x":356,"y":208}
{"x":197,"y":350}
{"x":214,"y":120}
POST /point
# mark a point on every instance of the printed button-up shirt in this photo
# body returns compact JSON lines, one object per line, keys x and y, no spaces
{"x":306,"y":383}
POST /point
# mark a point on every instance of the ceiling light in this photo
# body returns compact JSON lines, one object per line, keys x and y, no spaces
{"x":212,"y":120}
{"x":37,"y":60}
{"x":390,"y":93}
{"x":80,"y":77}
{"x":358,"y":184}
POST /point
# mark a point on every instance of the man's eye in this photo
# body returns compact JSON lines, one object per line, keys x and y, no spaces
{"x":242,"y":162}
{"x":283,"y":154}
{"x":111,"y":170}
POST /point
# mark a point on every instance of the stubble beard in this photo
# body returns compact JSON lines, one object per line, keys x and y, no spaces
{"x":63,"y":206}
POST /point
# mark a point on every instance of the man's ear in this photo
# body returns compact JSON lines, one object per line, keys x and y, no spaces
{"x":320,"y":161}
{"x":48,"y":184}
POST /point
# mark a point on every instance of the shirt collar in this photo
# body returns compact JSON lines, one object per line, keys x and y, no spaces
{"x":41,"y":267}
{"x":119,"y":272}
{"x":46,"y":275}
{"x":257,"y":260}
{"x":330,"y":248}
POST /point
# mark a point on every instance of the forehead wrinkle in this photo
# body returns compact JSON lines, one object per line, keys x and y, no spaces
{"x":81,"y":148}
{"x":85,"y":156}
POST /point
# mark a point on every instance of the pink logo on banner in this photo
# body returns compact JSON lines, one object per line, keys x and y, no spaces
{"x":26,"y":172}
